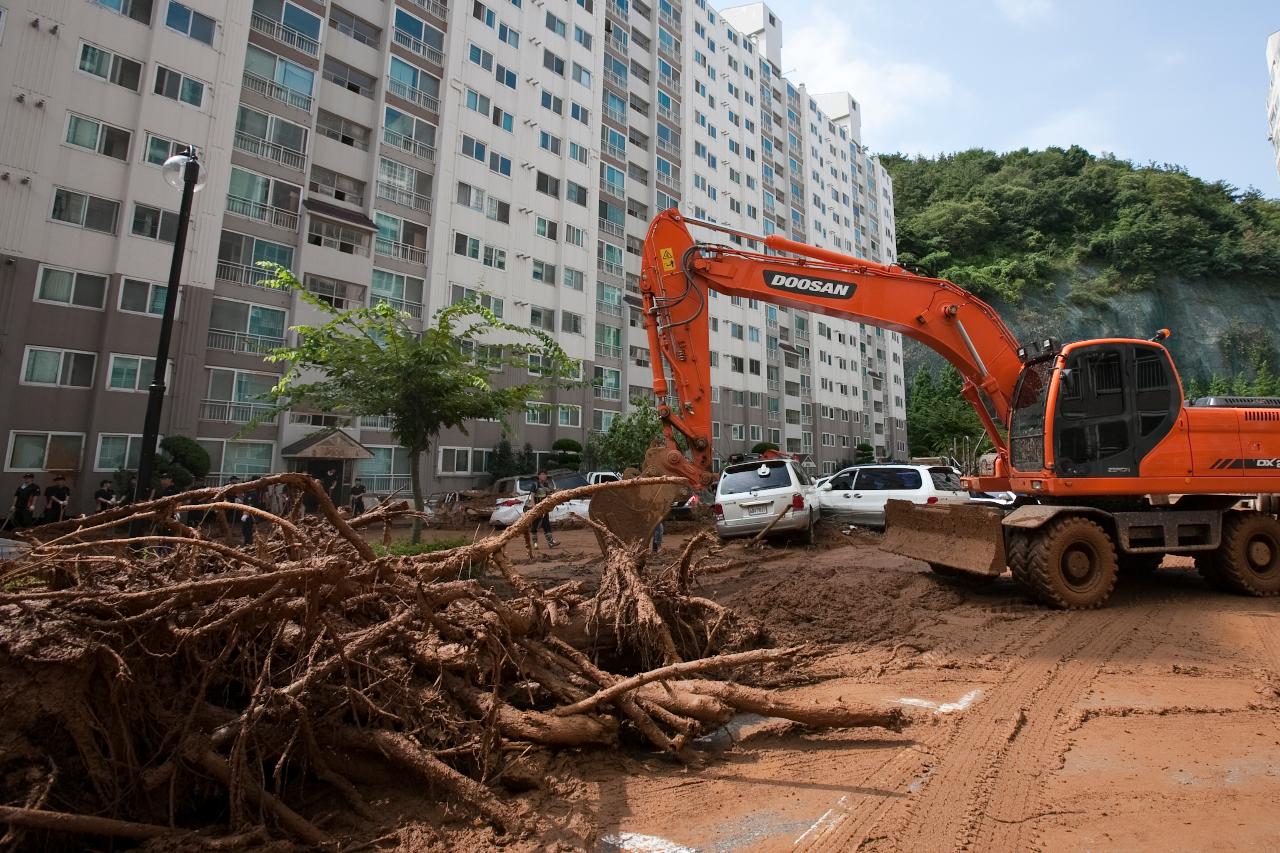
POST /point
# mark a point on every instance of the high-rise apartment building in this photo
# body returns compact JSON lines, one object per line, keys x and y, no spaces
{"x":1273,"y":94}
{"x":413,"y":152}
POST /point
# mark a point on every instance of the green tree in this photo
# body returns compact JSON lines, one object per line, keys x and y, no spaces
{"x":864,"y":454}
{"x":566,"y":453}
{"x":763,"y":447}
{"x":370,"y":362}
{"x":503,"y":461}
{"x":938,"y":415}
{"x":627,"y":439}
{"x":183,"y":459}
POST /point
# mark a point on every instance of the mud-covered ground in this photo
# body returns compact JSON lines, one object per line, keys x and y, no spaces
{"x":1153,"y":723}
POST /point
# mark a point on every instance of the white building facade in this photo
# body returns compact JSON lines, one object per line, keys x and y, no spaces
{"x":414,"y":152}
{"x":1273,"y":94}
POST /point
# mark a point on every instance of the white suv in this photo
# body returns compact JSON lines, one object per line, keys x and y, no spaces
{"x":752,"y":494}
{"x":857,"y":495}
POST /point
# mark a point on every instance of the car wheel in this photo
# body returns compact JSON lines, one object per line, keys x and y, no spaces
{"x":810,"y":536}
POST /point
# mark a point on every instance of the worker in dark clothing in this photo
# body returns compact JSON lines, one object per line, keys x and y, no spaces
{"x":541,"y":489}
{"x":247,"y":519}
{"x":330,"y":483}
{"x":105,"y":498}
{"x":357,"y":498}
{"x":24,"y":501}
{"x":232,"y":515}
{"x":56,"y":500}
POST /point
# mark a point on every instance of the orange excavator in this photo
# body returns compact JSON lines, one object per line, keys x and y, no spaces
{"x":1113,"y":469}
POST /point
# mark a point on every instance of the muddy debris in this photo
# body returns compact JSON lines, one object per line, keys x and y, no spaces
{"x":164,"y":687}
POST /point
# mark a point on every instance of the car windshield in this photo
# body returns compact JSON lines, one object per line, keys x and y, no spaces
{"x":527,"y":484}
{"x":887,"y":479}
{"x":946,"y":479}
{"x":569,"y":481}
{"x":738,"y":480}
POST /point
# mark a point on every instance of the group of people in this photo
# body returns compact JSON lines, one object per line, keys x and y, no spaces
{"x":29,"y":510}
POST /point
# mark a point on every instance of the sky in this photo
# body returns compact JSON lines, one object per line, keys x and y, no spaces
{"x":1165,"y":81}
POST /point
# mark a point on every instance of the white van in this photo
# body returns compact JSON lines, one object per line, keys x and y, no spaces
{"x":750,"y":495}
{"x":857,"y":495}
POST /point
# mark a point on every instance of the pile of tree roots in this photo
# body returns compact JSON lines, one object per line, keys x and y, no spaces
{"x":163,"y":685}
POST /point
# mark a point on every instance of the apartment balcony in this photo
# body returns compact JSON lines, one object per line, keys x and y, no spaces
{"x":616,"y":190}
{"x":615,"y":8}
{"x":802,"y":335}
{"x":775,"y":416}
{"x":668,"y":147}
{"x":435,"y":7}
{"x":614,"y":151}
{"x":774,"y":385}
{"x":231,"y":412}
{"x":426,"y":51}
{"x":614,"y":114}
{"x":670,"y":20}
{"x":338,"y":245}
{"x":285,"y":35}
{"x":386,"y":483}
{"x":601,"y":392}
{"x":612,"y":228}
{"x":612,"y":309}
{"x":338,"y":136}
{"x":243,"y":274}
{"x":240,"y":342}
{"x":669,"y":113}
{"x":671,"y":82}
{"x":616,"y":79}
{"x":379,"y":422}
{"x":671,"y":52}
{"x":265,"y":150}
{"x":320,"y":421}
{"x":403,"y":251}
{"x":604,"y":350}
{"x":275,"y":216}
{"x":668,"y":181}
{"x":403,"y":143}
{"x":336,"y":194}
{"x":401,"y":89}
{"x":609,"y":267}
{"x":413,"y":309}
{"x":276,"y":92}
{"x":400,"y":195}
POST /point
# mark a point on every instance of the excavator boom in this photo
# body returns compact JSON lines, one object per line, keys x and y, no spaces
{"x":678,"y":272}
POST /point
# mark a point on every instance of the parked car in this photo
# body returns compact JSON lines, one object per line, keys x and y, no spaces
{"x":515,"y":495}
{"x":857,"y":495}
{"x":751,"y":494}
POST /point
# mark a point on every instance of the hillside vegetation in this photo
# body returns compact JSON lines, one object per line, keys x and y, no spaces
{"x":1000,"y":224}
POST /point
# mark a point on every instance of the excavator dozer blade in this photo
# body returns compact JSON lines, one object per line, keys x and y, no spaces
{"x":964,"y":537}
{"x":632,"y":514}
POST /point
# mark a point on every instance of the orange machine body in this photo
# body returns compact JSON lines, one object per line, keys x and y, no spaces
{"x":1184,"y":449}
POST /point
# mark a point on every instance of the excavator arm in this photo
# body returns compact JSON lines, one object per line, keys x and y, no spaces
{"x":678,"y":272}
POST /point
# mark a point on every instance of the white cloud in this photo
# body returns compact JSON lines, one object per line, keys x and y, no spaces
{"x":1025,"y":12}
{"x":827,"y":57}
{"x":1087,"y":127}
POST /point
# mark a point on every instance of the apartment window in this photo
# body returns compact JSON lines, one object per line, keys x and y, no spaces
{"x":190,"y":23}
{"x":94,"y":135}
{"x":544,"y":227}
{"x":508,"y":35}
{"x":570,"y":322}
{"x":494,"y":257}
{"x":271,"y":128}
{"x":579,"y":112}
{"x":737,"y":432}
{"x":111,"y":67}
{"x":179,"y":87}
{"x":59,"y":368}
{"x":477,"y":102}
{"x":582,"y":37}
{"x":154,"y":223}
{"x":253,"y":195}
{"x":474,"y":148}
{"x":117,"y":452}
{"x":505,"y":76}
{"x":581,"y":75}
{"x":85,"y":211}
{"x":577,"y":152}
{"x":569,"y":416}
{"x":45,"y":451}
{"x":142,"y":297}
{"x":544,"y":272}
{"x":552,"y":63}
{"x":467,"y":294}
{"x":602,"y":419}
{"x":575,"y":193}
{"x":400,"y":291}
{"x":575,"y":235}
{"x":160,"y":149}
{"x":358,"y":28}
{"x":553,"y":103}
{"x":549,"y":142}
{"x":139,"y":10}
{"x":503,"y":120}
{"x":574,"y":279}
{"x":348,"y":132}
{"x":556,"y":25}
{"x":130,"y":372}
{"x":537,"y":414}
{"x":500,"y":164}
{"x":290,"y":75}
{"x":542,"y":318}
{"x":71,"y":287}
{"x":468,"y":247}
{"x":547,"y":184}
{"x":338,"y":187}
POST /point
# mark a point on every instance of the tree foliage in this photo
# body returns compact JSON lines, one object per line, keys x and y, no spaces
{"x":627,"y":439}
{"x":997,"y":224}
{"x":181,"y":458}
{"x":863,"y":454}
{"x":938,"y":417}
{"x":368,"y":361}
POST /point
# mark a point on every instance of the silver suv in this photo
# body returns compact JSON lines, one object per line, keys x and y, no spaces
{"x":857,"y":495}
{"x":750,"y":495}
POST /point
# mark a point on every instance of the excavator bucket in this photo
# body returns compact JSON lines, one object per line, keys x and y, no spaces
{"x":632,"y":514}
{"x":964,"y":537}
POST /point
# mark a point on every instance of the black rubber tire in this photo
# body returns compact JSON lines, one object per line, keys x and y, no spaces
{"x":1071,"y":564}
{"x":811,"y":534}
{"x":1248,"y":560}
{"x":1140,"y":565}
{"x":1017,"y":544}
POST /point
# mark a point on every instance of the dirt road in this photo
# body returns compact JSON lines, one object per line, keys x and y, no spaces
{"x":1149,"y":724}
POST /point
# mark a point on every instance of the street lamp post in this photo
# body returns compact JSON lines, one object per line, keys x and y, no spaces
{"x":180,"y":170}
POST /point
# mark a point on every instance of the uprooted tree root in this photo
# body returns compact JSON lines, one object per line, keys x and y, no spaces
{"x":167,"y":685}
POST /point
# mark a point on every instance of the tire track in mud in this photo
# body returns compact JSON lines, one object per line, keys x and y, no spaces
{"x":989,"y":772}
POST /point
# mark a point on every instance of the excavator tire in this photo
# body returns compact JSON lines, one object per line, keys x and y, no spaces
{"x":1017,"y":545}
{"x":1071,"y":564}
{"x":1140,"y":565}
{"x":1248,"y":560}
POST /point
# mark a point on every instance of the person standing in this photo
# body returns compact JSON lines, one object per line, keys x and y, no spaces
{"x":56,"y":499}
{"x":24,"y":502}
{"x":357,"y":498}
{"x":247,"y":519}
{"x":105,"y":498}
{"x":330,"y":483}
{"x":541,"y":489}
